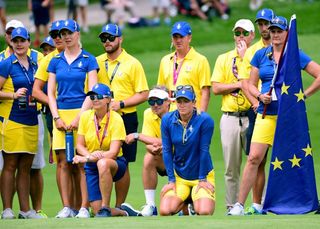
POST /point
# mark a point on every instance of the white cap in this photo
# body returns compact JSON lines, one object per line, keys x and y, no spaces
{"x":245,"y":24}
{"x":14,"y":24}
{"x":158,"y":93}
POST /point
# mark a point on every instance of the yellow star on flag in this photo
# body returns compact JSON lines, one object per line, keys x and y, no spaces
{"x":284,"y":89}
{"x":295,"y":161}
{"x":277,"y":164}
{"x":308,"y":150}
{"x":300,"y":95}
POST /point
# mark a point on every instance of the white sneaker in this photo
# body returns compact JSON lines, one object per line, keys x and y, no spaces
{"x":237,"y":209}
{"x":149,"y":210}
{"x":191,"y":209}
{"x":66,"y":212}
{"x":31,"y":214}
{"x":83,"y":213}
{"x":8,"y":214}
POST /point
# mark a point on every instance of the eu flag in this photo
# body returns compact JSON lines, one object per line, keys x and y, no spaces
{"x":291,"y":185}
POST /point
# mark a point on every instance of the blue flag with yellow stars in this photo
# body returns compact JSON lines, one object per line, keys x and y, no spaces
{"x":291,"y":186}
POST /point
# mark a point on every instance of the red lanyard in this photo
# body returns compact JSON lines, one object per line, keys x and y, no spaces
{"x":176,"y":69}
{"x":105,"y":128}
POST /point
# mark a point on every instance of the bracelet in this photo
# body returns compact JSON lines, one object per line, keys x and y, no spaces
{"x":88,"y":157}
{"x":258,"y":97}
{"x":56,"y":118}
{"x":203,"y":180}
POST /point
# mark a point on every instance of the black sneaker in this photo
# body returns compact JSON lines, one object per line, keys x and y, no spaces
{"x":104,"y":212}
{"x":130,"y":210}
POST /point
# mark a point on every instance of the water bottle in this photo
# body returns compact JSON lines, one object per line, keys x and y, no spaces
{"x":69,"y":146}
{"x":22,"y":103}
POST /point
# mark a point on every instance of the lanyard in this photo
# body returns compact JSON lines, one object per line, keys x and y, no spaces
{"x":30,"y":81}
{"x":235,"y":68}
{"x":176,"y":69}
{"x":114,"y":70}
{"x":105,"y":128}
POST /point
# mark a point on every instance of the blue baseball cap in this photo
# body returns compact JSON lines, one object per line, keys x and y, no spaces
{"x":265,"y":14}
{"x":100,"y":89}
{"x":112,"y":29}
{"x":182,"y":28}
{"x":47,"y":41}
{"x":20,"y":32}
{"x":56,"y":25}
{"x":279,"y":22}
{"x":183,"y":93}
{"x":70,"y":25}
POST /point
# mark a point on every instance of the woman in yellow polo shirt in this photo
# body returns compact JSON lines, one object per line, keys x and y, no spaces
{"x":100,"y":136}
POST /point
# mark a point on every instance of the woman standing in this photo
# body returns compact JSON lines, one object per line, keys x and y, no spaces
{"x":264,"y":64}
{"x":18,"y":120}
{"x":186,"y":137}
{"x":70,"y":73}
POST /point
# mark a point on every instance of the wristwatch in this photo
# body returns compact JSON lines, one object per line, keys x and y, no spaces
{"x":136,"y":136}
{"x":88,"y":157}
{"x":121,"y":104}
{"x":56,"y":118}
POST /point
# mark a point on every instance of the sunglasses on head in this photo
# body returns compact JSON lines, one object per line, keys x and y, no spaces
{"x":153,"y":102}
{"x":54,"y":34}
{"x":97,"y":97}
{"x":244,"y":33}
{"x":185,"y":87}
{"x":105,"y":38}
{"x":9,"y":31}
{"x":278,"y":21}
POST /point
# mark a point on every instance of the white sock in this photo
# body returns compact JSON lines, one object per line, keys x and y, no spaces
{"x":257,"y":206}
{"x":150,"y":194}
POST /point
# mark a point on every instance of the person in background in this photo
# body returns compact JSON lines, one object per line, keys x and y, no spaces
{"x":67,"y":100}
{"x":263,"y":19}
{"x":3,"y":17}
{"x":264,"y":64}
{"x":185,"y":66}
{"x":186,"y":137}
{"x":153,"y":165}
{"x":47,"y":46}
{"x":157,"y":5}
{"x":125,"y":76}
{"x":235,"y":105}
{"x":18,"y":115}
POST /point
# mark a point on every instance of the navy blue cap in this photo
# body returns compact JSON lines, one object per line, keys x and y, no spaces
{"x":70,"y":25}
{"x":265,"y":14}
{"x":279,"y":22}
{"x":183,"y":93}
{"x":112,"y":29}
{"x":47,"y":41}
{"x":56,"y":25}
{"x":20,"y":32}
{"x":100,"y":89}
{"x":182,"y":28}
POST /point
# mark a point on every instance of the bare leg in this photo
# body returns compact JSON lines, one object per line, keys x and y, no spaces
{"x":36,"y":188}
{"x":170,"y":205}
{"x":122,"y":188}
{"x":204,"y":206}
{"x":257,"y":189}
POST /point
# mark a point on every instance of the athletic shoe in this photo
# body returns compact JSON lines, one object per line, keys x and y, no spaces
{"x":104,"y":212}
{"x":149,"y":210}
{"x":83,"y":213}
{"x":66,"y":212}
{"x":130,"y":210}
{"x":31,"y":214}
{"x":237,"y":209}
{"x":253,"y":211}
{"x":8,"y":214}
{"x":42,"y":214}
{"x":191,"y":210}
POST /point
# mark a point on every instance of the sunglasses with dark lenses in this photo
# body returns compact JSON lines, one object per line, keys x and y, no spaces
{"x":185,"y":87}
{"x":106,"y":38}
{"x":54,"y":34}
{"x":153,"y":102}
{"x":244,"y":32}
{"x":9,"y":32}
{"x":97,"y":97}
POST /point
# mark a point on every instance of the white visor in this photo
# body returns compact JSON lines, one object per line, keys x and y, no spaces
{"x":158,"y":93}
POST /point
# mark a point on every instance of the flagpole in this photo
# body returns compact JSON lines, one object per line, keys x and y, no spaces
{"x":276,"y":71}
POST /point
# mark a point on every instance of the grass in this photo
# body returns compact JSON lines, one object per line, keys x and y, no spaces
{"x":211,"y":39}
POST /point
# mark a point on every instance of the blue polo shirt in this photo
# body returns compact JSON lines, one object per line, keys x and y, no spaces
{"x":71,"y":79}
{"x":17,"y":77}
{"x":263,"y":60}
{"x":186,"y":150}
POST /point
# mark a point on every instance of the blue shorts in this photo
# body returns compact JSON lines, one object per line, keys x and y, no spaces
{"x":92,"y":177}
{"x":130,"y":121}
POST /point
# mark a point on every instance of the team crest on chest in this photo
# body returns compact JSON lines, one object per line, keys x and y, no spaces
{"x":188,"y":68}
{"x":80,"y":64}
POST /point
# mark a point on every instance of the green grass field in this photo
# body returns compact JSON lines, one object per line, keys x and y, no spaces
{"x":211,"y":39}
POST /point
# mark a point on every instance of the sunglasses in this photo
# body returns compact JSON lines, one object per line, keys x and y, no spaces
{"x":185,"y":87}
{"x":9,"y":32}
{"x":54,"y":34}
{"x":153,"y":102}
{"x":244,"y":33}
{"x":106,"y":38}
{"x":97,"y":97}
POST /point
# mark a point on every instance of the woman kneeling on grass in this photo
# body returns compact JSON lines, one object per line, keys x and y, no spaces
{"x":100,"y":136}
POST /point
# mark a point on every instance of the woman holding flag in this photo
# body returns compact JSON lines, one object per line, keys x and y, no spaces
{"x":264,"y":67}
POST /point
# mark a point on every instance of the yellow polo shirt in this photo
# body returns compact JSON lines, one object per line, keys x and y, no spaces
{"x":129,"y":77}
{"x":115,"y":131}
{"x":195,"y":71}
{"x":42,"y":73}
{"x":222,"y":73}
